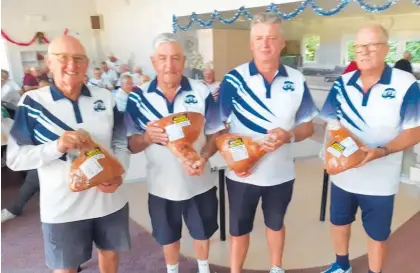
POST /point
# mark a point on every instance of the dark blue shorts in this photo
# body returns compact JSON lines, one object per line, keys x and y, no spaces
{"x":68,"y":245}
{"x":199,"y":212}
{"x":244,"y":199}
{"x":376,"y":211}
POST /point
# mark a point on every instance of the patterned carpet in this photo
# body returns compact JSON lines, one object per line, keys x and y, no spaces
{"x":22,"y":250}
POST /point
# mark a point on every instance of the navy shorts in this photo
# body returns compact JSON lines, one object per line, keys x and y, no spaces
{"x":244,"y":199}
{"x":68,"y":245}
{"x":199,"y":212}
{"x":376,"y":211}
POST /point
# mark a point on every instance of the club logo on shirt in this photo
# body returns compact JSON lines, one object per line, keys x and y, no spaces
{"x":289,"y":86}
{"x":190,"y":99}
{"x":99,"y":106}
{"x":389,"y":93}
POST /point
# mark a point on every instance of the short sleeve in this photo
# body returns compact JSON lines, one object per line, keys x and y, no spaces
{"x":135,"y":121}
{"x":226,"y":93}
{"x":330,"y":108}
{"x":410,"y":108}
{"x":213,"y":122}
{"x":307,"y":109}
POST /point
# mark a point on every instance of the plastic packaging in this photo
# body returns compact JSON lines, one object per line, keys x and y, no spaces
{"x":341,"y":149}
{"x":183,"y":129}
{"x":92,"y":167}
{"x":241,"y":153}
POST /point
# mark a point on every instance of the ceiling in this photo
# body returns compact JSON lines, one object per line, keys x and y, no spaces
{"x":351,"y":10}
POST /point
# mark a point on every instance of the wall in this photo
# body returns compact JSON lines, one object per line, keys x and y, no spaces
{"x":18,"y":23}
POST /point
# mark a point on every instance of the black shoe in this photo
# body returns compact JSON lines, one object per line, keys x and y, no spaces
{"x":79,"y":268}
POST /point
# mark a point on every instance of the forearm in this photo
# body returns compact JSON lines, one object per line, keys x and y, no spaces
{"x":138,"y":143}
{"x":210,"y":148}
{"x":403,"y":141}
{"x":29,"y":157}
{"x":303,"y":131}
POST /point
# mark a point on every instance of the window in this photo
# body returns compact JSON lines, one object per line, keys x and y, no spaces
{"x":414,"y":48}
{"x":393,"y":54}
{"x":310,"y":44}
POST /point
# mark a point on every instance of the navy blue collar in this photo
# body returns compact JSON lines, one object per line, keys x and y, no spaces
{"x":185,"y":85}
{"x":385,"y":77}
{"x":254,"y":71}
{"x":57,"y":95}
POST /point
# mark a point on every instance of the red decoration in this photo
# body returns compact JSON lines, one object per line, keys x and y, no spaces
{"x":40,"y":36}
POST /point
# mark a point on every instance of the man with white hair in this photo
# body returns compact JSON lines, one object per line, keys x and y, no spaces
{"x":99,"y":81}
{"x":176,"y":189}
{"x":381,"y":107}
{"x":121,"y":95}
{"x":137,"y":76}
{"x":114,"y":63}
{"x":109,"y":74}
{"x":211,"y":83}
{"x":404,"y":64}
{"x":45,"y":131}
{"x":124,"y":71}
{"x":269,"y":101}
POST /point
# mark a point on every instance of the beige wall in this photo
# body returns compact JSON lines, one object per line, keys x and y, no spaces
{"x":230,"y":49}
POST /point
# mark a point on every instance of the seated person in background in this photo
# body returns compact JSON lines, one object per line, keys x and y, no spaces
{"x":10,"y":93}
{"x":124,"y":71}
{"x":99,"y":81}
{"x":114,"y":63}
{"x":30,"y":80}
{"x":211,"y":83}
{"x":86,"y":80}
{"x":109,"y":74}
{"x":404,"y":64}
{"x":43,"y":83}
{"x":137,"y":76}
{"x":121,"y":95}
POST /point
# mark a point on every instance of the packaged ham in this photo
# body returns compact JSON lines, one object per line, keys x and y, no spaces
{"x":241,"y":153}
{"x":183,"y":129}
{"x":342,"y":149}
{"x":92,"y":167}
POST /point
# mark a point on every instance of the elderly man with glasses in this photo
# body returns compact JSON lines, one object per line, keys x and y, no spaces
{"x":381,"y":107}
{"x":46,"y":128}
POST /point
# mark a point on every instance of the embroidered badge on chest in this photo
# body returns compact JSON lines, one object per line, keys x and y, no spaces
{"x":389,"y":93}
{"x":190,"y":99}
{"x":289,"y":86}
{"x":99,"y":106}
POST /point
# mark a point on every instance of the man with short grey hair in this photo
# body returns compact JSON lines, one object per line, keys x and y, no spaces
{"x":269,"y":101}
{"x":404,"y":64}
{"x":176,"y":189}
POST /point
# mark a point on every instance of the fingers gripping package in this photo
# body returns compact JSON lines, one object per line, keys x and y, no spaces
{"x":183,"y":129}
{"x":342,"y":149}
{"x":92,"y":167}
{"x":241,"y":153}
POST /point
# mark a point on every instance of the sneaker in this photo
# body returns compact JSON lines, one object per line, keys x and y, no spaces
{"x":276,"y":269}
{"x":6,"y":215}
{"x":335,"y":268}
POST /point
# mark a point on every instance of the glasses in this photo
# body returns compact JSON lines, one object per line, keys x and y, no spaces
{"x":65,"y":58}
{"x":372,"y":47}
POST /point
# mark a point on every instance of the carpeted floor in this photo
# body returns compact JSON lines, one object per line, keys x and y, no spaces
{"x":22,"y":249}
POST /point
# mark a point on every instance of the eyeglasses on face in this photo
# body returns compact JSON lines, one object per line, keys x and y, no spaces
{"x":372,"y":47}
{"x":65,"y":58}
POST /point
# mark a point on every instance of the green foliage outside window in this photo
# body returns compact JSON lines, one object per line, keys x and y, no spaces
{"x":414,"y":48}
{"x":311,"y":44}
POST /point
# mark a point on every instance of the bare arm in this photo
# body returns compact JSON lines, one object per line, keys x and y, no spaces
{"x":403,"y":141}
{"x":138,"y":143}
{"x":210,"y":148}
{"x":303,"y":131}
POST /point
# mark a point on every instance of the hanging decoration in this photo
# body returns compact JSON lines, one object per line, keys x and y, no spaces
{"x":273,"y":8}
{"x":39,"y":37}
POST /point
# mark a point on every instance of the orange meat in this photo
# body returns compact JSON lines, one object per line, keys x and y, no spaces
{"x":92,"y":167}
{"x":339,"y":155}
{"x":191,"y":124}
{"x":231,"y":147}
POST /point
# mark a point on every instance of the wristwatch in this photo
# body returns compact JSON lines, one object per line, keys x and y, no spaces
{"x":292,"y":137}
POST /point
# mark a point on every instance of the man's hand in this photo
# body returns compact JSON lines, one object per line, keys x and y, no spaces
{"x":70,"y":140}
{"x":371,"y":154}
{"x":111,"y":185}
{"x":155,"y":134}
{"x":195,"y":168}
{"x":276,"y":138}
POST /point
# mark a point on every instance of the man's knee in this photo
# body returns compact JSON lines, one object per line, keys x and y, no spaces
{"x":73,"y":270}
{"x":108,"y":255}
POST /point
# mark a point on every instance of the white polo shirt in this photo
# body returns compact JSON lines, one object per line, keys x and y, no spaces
{"x":10,"y":94}
{"x":42,"y":116}
{"x":253,"y":106}
{"x":101,"y":83}
{"x":165,"y":175}
{"x":375,"y":117}
{"x":110,"y":76}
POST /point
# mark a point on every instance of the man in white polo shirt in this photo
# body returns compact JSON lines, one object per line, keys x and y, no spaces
{"x":46,"y":128}
{"x":176,"y":189}
{"x":264,"y":99}
{"x":381,"y":107}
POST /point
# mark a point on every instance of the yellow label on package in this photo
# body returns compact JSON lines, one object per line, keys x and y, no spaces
{"x":237,"y":149}
{"x":236,"y":142}
{"x":181,"y":120}
{"x":338,"y":147}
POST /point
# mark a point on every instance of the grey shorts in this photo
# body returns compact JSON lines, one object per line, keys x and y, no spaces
{"x":68,"y":245}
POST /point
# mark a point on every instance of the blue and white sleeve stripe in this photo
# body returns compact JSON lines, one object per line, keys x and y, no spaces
{"x":410,"y":108}
{"x":213,"y":122}
{"x":226,"y":93}
{"x":307,"y":109}
{"x":330,"y":108}
{"x":135,"y":121}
